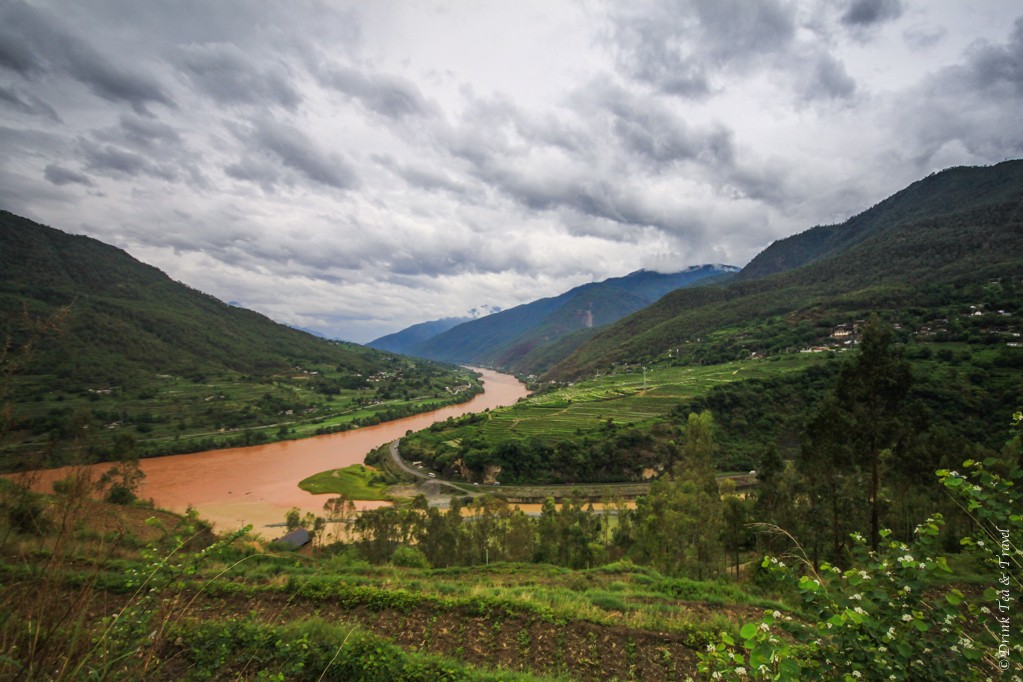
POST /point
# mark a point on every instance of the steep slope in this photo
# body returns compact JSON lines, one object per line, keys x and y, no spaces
{"x":927,"y":245}
{"x":139,"y":355}
{"x":129,"y":319}
{"x":521,"y":337}
{"x":949,"y":191}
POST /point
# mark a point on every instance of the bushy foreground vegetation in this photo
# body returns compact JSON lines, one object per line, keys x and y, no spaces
{"x":98,"y":591}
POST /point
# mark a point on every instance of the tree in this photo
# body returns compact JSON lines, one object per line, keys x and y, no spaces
{"x":829,"y":482}
{"x":871,"y":390}
{"x":121,"y":482}
{"x":736,"y":518}
{"x":893,"y":614}
{"x":338,"y":511}
{"x":678,"y":524}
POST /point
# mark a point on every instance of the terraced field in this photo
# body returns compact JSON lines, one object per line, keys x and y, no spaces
{"x":633,"y":396}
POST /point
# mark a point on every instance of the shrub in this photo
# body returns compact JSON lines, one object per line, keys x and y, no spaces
{"x":409,"y":557}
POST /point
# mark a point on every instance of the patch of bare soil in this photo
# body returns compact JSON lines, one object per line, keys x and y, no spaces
{"x":576,"y":649}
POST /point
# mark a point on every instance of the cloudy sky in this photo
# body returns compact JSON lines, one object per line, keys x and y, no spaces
{"x":356,"y":167}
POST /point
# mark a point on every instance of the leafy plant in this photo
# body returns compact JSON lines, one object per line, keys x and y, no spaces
{"x":892,"y":615}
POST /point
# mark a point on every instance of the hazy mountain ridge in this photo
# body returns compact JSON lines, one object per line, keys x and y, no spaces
{"x":522,"y":338}
{"x":406,"y":339}
{"x":951,"y":229}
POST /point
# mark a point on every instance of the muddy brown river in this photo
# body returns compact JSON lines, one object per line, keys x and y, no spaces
{"x":258,"y":484}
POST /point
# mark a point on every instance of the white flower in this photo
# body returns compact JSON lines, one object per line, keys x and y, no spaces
{"x":907,"y":589}
{"x":765,"y":627}
{"x":740,"y":671}
{"x":906,"y":617}
{"x":856,"y":596}
{"x":857,"y":674}
{"x":777,"y":614}
{"x":710,"y":648}
{"x":860,"y":611}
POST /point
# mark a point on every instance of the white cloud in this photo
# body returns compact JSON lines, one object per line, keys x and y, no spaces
{"x":358,"y":167}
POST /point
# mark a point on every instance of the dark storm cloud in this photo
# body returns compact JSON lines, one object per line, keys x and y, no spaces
{"x":27,"y":103}
{"x":869,"y":12}
{"x":972,"y":107}
{"x":59,"y":175}
{"x":390,"y":96}
{"x":589,"y":167}
{"x":107,"y":159}
{"x":144,"y":132}
{"x":263,"y":172}
{"x":16,"y":53}
{"x":143,"y":146}
{"x":827,"y":79}
{"x":421,"y":176}
{"x":279,"y":143}
{"x":225,"y":73}
{"x":997,"y":68}
{"x":28,"y":142}
{"x":679,"y":45}
{"x":648,"y":129}
{"x":35,"y":42}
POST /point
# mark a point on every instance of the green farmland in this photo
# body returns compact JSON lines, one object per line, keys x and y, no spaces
{"x":175,"y":414}
{"x":616,"y":428}
{"x":630,"y":397}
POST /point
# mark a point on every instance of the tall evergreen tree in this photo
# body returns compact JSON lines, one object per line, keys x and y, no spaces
{"x":872,"y":389}
{"x":856,"y":426}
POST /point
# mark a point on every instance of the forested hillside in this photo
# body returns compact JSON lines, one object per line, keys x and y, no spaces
{"x":94,"y":336}
{"x":935,"y":244}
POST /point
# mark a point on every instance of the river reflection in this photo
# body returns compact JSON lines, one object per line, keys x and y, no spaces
{"x":258,"y":484}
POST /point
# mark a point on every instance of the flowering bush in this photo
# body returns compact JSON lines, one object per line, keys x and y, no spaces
{"x":889,"y":617}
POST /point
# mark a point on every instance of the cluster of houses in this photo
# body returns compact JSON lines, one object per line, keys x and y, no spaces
{"x":843,"y":337}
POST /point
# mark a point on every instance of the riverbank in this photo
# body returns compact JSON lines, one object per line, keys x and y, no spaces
{"x":257,"y":484}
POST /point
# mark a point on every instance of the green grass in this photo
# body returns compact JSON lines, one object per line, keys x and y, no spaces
{"x":355,"y":482}
{"x":176,"y":414}
{"x":627,"y":397}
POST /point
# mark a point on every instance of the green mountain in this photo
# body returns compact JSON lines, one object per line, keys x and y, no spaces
{"x":936,"y":243}
{"x":407,"y":339}
{"x":530,"y":337}
{"x":131,"y":335}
